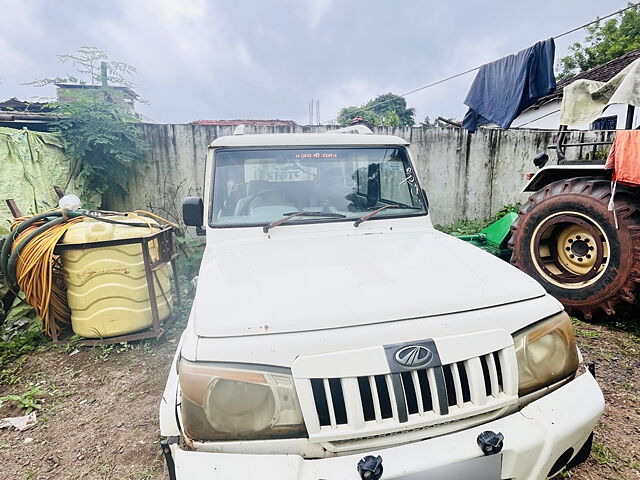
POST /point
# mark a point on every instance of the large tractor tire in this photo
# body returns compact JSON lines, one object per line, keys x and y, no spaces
{"x":566,"y":238}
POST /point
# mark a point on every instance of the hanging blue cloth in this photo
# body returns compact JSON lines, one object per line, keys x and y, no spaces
{"x":504,"y":88}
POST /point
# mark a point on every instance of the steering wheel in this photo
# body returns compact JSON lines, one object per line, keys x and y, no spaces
{"x":262,"y":193}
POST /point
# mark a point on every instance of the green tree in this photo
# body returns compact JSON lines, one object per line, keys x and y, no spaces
{"x":349,"y":113}
{"x":392,"y":119}
{"x":388,"y":109}
{"x":101,"y":137}
{"x":604,"y":41}
{"x":102,"y":142}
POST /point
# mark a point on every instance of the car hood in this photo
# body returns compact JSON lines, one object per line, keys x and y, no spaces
{"x":290,"y":283}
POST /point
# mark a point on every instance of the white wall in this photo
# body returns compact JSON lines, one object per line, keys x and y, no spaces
{"x":546,"y":117}
{"x":465,"y":175}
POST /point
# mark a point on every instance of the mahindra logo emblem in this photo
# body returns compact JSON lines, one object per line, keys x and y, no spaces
{"x":413,"y":356}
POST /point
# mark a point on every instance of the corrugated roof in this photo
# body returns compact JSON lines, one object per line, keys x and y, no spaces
{"x":604,"y":72}
{"x":83,"y":86}
{"x":15,"y":105}
{"x":261,"y":123}
{"x":601,"y":73}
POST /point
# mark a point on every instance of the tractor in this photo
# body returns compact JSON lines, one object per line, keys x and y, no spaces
{"x":571,"y":237}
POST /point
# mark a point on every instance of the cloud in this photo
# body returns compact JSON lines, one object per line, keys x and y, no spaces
{"x":317,"y":11}
{"x":265,"y":59}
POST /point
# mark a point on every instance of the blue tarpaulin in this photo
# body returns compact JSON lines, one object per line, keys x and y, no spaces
{"x":504,"y":88}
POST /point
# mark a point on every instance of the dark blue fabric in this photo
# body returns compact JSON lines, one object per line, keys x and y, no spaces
{"x":504,"y":88}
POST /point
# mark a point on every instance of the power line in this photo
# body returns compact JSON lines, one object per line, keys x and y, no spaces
{"x":536,"y":119}
{"x":597,"y":20}
{"x":429,"y":85}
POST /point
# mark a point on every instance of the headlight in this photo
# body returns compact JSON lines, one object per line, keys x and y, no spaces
{"x":220,"y":403}
{"x":546,"y":353}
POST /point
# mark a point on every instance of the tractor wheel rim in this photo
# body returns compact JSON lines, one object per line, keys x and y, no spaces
{"x":570,"y":250}
{"x":577,"y":248}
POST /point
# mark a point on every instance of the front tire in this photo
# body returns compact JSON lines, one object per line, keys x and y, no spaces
{"x":567,"y":240}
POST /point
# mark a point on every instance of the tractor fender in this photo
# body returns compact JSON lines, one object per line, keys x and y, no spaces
{"x":553,"y":173}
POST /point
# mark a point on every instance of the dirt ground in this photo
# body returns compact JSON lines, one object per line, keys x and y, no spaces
{"x":99,"y":417}
{"x":99,"y":409}
{"x":615,"y":347}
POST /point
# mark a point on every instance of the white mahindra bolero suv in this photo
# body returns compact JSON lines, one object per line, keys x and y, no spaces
{"x":336,"y":335}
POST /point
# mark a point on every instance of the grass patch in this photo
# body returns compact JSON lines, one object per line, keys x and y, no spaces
{"x":588,"y":333}
{"x":30,"y":474}
{"x":604,"y":455}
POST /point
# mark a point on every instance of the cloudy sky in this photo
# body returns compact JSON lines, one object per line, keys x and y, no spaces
{"x":206,"y":59}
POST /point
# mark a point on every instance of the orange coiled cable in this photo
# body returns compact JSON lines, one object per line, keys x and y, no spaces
{"x":39,"y":275}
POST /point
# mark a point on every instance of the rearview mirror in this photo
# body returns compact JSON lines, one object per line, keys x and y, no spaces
{"x":193,"y":211}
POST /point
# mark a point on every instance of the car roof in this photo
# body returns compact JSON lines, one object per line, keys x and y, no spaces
{"x":308,"y":139}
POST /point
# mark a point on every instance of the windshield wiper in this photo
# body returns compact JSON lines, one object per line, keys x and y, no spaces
{"x":289,"y":216}
{"x":378,"y":210}
{"x":394,"y":204}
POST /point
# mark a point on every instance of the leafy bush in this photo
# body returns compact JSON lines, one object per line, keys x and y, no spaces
{"x":471,"y":227}
{"x":102,"y":142}
{"x":24,"y":341}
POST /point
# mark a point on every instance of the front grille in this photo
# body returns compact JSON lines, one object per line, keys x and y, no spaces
{"x":379,"y":405}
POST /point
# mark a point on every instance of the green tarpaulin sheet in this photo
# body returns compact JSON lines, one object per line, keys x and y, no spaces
{"x":31,"y":163}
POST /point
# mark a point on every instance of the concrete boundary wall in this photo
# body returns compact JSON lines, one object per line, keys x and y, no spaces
{"x":465,"y":175}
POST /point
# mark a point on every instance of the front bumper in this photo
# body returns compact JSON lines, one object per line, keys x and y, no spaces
{"x":534,"y":439}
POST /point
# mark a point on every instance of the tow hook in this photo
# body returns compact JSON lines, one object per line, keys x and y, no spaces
{"x":166,"y":451}
{"x":490,"y":442}
{"x":370,"y":467}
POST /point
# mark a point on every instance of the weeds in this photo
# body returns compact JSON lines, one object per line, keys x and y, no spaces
{"x":9,"y":375}
{"x":604,"y":455}
{"x":74,"y":343}
{"x":470,"y":227}
{"x":107,"y":350}
{"x":71,"y":373}
{"x":28,"y":401}
{"x":191,"y":252}
{"x":30,"y":474}
{"x":24,"y":342}
{"x":149,"y":473}
{"x":463,"y":227}
{"x":588,"y":333}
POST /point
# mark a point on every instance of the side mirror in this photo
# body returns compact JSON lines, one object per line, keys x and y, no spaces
{"x":540,"y":160}
{"x":193,"y":211}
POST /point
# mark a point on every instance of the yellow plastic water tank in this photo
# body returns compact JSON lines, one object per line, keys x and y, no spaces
{"x":106,"y":286}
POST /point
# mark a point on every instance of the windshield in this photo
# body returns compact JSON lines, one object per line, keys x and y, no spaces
{"x":257,"y":187}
